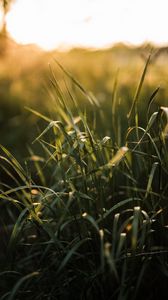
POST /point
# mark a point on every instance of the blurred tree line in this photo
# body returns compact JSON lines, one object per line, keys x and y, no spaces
{"x":5,"y":6}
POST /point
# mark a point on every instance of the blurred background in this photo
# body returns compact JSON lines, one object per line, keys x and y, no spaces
{"x":102,"y":43}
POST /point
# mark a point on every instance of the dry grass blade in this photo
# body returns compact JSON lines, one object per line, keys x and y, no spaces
{"x":165,"y":111}
{"x":118,"y":156}
{"x":35,"y":112}
{"x":115,"y":159}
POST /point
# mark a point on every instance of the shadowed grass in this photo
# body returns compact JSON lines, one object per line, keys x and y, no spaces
{"x":92,"y":222}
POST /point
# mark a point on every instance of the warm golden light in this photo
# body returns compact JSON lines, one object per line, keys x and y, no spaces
{"x":95,"y":23}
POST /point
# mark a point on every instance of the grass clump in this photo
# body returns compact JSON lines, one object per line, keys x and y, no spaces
{"x":87,"y":219}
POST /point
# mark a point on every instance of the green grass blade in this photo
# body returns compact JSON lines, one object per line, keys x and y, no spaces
{"x":21,"y":281}
{"x":136,"y":97}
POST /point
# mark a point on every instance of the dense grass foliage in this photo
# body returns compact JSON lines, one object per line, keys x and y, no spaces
{"x":25,"y":81}
{"x":86,"y":218}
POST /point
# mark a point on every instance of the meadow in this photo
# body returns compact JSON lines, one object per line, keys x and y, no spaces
{"x":84,"y":172}
{"x":25,"y":82}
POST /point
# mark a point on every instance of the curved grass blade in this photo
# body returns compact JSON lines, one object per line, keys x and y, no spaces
{"x":19,"y":283}
{"x":118,"y":205}
{"x":71,"y":253}
{"x":151,"y":100}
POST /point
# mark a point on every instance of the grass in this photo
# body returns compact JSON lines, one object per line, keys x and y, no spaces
{"x":87,"y":218}
{"x":30,"y":85}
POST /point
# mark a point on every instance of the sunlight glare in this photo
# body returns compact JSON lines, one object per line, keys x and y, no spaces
{"x":89,"y":23}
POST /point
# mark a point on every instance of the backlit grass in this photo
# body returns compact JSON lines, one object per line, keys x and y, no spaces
{"x":87,"y":218}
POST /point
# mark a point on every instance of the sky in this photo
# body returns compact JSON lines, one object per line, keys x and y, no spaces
{"x":88,"y":23}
